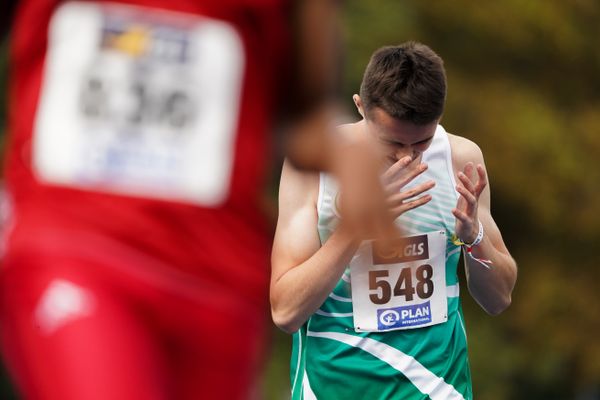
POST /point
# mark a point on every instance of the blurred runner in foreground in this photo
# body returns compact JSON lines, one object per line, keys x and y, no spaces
{"x":381,"y":319}
{"x":136,"y":255}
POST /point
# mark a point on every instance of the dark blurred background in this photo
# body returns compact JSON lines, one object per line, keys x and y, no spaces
{"x":524,"y":83}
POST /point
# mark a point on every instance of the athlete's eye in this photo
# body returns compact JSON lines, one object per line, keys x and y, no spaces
{"x":423,"y":143}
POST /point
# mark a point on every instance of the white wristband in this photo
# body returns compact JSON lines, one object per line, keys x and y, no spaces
{"x":479,"y":237}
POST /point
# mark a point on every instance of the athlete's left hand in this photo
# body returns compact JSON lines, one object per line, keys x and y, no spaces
{"x":469,"y":188}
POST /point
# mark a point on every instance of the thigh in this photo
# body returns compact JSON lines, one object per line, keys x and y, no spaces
{"x":219,"y":352}
{"x":66,"y":335}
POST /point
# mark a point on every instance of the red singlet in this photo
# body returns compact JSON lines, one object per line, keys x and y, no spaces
{"x":136,"y":255}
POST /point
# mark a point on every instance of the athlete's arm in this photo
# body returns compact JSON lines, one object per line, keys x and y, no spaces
{"x":312,"y":92}
{"x":490,"y":287}
{"x":303,"y":273}
{"x":310,"y":107}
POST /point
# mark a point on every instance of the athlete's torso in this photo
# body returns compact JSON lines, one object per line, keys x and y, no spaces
{"x":402,"y":336}
{"x":145,"y":123}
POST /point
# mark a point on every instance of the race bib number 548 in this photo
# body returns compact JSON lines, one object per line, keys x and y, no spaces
{"x":139,"y":101}
{"x":400,"y":283}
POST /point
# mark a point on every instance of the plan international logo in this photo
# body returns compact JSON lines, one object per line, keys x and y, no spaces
{"x":403,"y":317}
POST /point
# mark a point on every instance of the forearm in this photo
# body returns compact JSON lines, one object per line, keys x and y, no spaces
{"x":298,"y":293}
{"x":311,"y":99}
{"x":491,"y":287}
{"x":309,"y":143}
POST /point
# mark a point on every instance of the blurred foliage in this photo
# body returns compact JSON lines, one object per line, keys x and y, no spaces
{"x":524,"y":83}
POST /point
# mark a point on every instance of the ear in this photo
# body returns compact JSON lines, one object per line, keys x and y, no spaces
{"x":358,"y":103}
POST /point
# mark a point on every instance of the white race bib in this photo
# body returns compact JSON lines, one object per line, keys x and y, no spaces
{"x":139,"y":101}
{"x":400,"y":283}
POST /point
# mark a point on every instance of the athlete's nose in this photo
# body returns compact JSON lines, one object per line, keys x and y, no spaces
{"x":407,"y":151}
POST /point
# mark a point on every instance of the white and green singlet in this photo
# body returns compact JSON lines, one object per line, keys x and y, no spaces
{"x":393,"y":326}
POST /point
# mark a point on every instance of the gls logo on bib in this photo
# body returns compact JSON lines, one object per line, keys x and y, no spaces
{"x":400,"y":283}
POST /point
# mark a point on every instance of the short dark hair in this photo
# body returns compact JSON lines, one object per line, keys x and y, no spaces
{"x":407,"y":81}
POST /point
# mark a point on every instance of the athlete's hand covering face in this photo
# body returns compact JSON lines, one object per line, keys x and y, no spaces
{"x":397,"y":177}
{"x":372,"y":211}
{"x":363,"y":204}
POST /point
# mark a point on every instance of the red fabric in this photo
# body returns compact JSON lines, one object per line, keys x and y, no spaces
{"x":230,"y":238}
{"x":181,"y":290}
{"x":137,"y":341}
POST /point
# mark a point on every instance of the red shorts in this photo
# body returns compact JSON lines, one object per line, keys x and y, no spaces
{"x":75,"y":330}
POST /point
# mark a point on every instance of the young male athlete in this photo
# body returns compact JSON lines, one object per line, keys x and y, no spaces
{"x":381,"y":319}
{"x":135,"y":258}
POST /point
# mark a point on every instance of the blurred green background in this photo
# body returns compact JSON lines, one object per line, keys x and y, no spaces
{"x":524,"y":83}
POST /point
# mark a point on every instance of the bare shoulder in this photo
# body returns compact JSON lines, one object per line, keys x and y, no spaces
{"x":297,"y":188}
{"x":300,"y":188}
{"x":464,"y":150}
{"x":351,"y":131}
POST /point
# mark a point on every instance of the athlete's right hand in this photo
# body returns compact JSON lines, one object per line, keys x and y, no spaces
{"x":369,"y":206}
{"x":362,"y":199}
{"x":400,"y":174}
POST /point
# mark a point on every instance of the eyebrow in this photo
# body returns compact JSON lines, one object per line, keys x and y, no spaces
{"x":425,"y":140}
{"x":391,"y":141}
